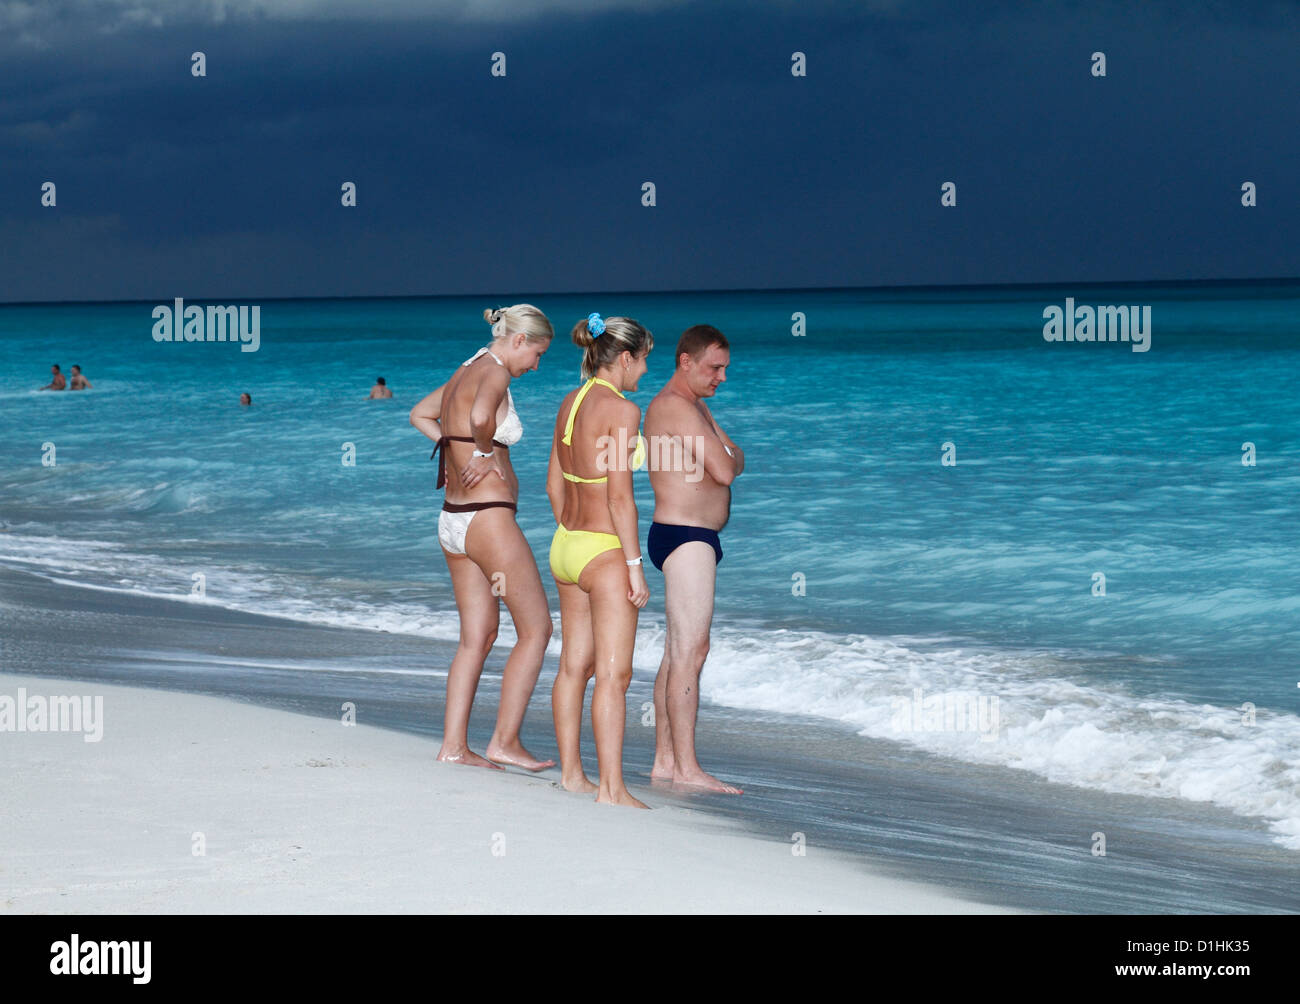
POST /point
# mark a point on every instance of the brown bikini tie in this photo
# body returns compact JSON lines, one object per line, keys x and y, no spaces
{"x":441,"y":454}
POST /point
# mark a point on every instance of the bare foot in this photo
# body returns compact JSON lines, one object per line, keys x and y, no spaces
{"x":662,"y":769}
{"x":581,"y":784}
{"x":622,"y":798}
{"x":465,"y":757}
{"x":516,"y":756}
{"x":700,"y":781}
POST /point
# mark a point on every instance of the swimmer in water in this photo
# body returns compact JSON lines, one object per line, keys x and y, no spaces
{"x":59,"y":382}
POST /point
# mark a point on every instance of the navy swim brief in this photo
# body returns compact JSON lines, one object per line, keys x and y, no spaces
{"x":665,"y":538}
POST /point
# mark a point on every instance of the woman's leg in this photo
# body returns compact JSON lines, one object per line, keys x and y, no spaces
{"x":613,"y":619}
{"x":479,"y":617}
{"x":577,"y":665}
{"x":497,"y":545}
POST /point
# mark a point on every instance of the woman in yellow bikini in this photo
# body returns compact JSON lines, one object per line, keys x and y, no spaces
{"x":596,"y":551}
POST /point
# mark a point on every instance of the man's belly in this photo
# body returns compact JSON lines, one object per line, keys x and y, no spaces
{"x":694,"y":506}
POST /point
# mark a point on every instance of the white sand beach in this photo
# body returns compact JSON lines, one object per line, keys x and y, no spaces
{"x":304,"y":815}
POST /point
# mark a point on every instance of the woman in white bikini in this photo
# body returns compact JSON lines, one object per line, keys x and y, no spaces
{"x":472,"y":422}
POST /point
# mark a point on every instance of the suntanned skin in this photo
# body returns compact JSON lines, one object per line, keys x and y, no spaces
{"x":473,"y":402}
{"x":59,"y":382}
{"x":79,"y":382}
{"x":598,"y":613}
{"x":703,"y":499}
{"x":380,"y":391}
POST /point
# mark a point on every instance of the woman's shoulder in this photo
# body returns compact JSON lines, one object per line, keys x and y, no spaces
{"x":619,"y":409}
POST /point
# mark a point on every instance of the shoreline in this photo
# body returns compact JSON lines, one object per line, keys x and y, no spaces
{"x":305,"y":815}
{"x":990,"y":836}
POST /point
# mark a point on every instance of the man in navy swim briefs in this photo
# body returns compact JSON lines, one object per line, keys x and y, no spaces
{"x":692,"y":465}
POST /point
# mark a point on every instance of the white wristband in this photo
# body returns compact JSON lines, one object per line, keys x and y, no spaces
{"x":480,"y":453}
{"x":634,"y":561}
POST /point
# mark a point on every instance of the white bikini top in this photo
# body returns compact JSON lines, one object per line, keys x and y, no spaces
{"x":511,"y":430}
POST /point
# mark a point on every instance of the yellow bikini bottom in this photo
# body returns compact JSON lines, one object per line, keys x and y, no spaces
{"x":571,"y":550}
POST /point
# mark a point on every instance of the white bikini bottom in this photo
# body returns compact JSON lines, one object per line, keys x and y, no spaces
{"x":454,"y":520}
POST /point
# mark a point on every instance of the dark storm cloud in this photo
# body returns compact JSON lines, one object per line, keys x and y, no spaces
{"x":229,"y":185}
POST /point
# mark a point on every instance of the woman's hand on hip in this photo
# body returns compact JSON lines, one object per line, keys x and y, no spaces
{"x":479,"y":468}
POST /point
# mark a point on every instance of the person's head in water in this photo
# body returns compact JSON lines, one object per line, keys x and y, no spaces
{"x":621,"y":342}
{"x":55,"y":369}
{"x":245,"y":398}
{"x":520,"y":336}
{"x":703,"y":355}
{"x":380,"y":381}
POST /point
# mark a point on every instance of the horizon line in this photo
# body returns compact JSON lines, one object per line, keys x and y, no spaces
{"x":913,"y":287}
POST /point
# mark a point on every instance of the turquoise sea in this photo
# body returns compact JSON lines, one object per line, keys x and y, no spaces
{"x":863,"y":575}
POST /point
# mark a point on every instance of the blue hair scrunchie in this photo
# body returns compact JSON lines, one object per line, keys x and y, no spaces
{"x":595,"y":325}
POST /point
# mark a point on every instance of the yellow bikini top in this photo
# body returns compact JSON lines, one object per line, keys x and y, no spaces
{"x":638,"y":455}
